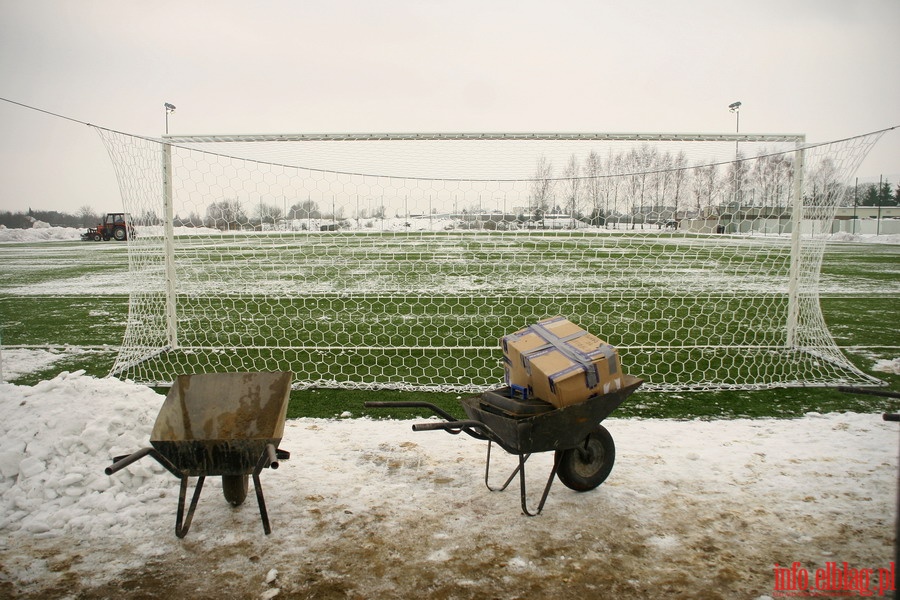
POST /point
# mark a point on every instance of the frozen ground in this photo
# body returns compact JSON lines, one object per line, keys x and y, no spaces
{"x":44,"y":232}
{"x":371,"y":509}
{"x":755,"y":265}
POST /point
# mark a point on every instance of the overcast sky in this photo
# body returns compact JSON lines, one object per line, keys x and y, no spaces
{"x":826,"y":68}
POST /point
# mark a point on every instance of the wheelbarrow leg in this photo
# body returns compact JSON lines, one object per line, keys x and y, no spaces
{"x":546,"y":488}
{"x":268,"y":459}
{"x":182,"y":524}
{"x":520,"y":470}
{"x":487,"y":471}
{"x":263,"y":513}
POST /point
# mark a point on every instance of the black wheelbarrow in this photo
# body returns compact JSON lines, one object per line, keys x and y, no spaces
{"x":584,"y":451}
{"x":219,"y":424}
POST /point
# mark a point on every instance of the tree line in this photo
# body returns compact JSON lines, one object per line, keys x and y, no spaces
{"x":84,"y":217}
{"x":645,"y":181}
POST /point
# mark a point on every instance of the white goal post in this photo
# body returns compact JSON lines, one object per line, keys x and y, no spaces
{"x":400,"y":260}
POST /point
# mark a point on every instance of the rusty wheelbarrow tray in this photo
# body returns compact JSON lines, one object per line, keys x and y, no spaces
{"x":584,"y":449}
{"x":219,"y":424}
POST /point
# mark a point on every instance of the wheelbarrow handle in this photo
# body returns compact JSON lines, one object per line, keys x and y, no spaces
{"x":272,"y":455}
{"x":412,"y":404}
{"x":454,"y":427}
{"x":123,"y":461}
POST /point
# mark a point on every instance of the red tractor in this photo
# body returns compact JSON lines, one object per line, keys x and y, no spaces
{"x":115,"y":226}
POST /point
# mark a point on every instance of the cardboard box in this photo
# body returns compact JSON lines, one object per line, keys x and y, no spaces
{"x":516,"y":346}
{"x":561,"y":363}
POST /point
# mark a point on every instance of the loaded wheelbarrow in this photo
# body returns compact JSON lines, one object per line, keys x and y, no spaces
{"x":219,"y":424}
{"x":584,"y":450}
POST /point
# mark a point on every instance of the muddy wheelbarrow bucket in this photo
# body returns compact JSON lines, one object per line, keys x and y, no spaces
{"x":584,"y":450}
{"x":219,"y":424}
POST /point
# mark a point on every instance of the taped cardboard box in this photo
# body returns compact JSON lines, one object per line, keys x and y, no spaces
{"x":561,"y":363}
{"x":519,"y":344}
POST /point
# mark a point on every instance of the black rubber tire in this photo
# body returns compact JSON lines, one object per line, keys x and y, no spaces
{"x":235,"y":487}
{"x":120,"y":234}
{"x":97,"y":237}
{"x":584,"y":468}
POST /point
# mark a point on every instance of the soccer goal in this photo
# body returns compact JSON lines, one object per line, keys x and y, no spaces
{"x":400,"y":260}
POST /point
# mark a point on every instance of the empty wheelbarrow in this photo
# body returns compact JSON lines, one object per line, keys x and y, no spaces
{"x":219,"y":424}
{"x":584,"y":449}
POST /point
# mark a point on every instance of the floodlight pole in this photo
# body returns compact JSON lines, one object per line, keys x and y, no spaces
{"x":735,"y":107}
{"x":170,"y":108}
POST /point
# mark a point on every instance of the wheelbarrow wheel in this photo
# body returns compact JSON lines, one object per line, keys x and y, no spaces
{"x":587,"y":466}
{"x":235,"y":487}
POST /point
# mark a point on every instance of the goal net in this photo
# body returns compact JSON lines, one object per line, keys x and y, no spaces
{"x":400,"y":260}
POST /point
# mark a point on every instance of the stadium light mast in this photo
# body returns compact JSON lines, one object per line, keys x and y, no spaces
{"x":170,"y":108}
{"x":734,"y":107}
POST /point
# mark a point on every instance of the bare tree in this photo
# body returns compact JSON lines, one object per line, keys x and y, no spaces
{"x":705,"y":184}
{"x":542,"y":188}
{"x":268,"y":213}
{"x":633,"y":183}
{"x":87,"y":217}
{"x":663,"y":182}
{"x":736,"y":176}
{"x":573,"y":186}
{"x":611,"y":185}
{"x":308,"y":209}
{"x":825,"y":184}
{"x":679,"y":181}
{"x":648,"y":165}
{"x":770,"y":178}
{"x":226,"y":214}
{"x":594,"y":186}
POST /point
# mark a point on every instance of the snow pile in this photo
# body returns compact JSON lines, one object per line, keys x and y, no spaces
{"x":368,"y":508}
{"x":40,"y":234}
{"x":857,"y":238}
{"x":887,"y":365}
{"x":48,"y":233}
{"x":52,"y":441}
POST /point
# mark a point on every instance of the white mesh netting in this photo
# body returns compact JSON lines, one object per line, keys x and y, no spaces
{"x":399,"y":261}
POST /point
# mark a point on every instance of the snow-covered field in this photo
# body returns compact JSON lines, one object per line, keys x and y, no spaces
{"x":370,"y":509}
{"x":744,"y":265}
{"x":44,"y":232}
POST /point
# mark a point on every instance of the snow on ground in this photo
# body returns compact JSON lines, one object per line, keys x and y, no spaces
{"x":15,"y":362}
{"x":370,"y":509}
{"x":887,"y":365}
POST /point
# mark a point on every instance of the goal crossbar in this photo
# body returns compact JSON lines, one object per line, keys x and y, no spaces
{"x":536,"y":136}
